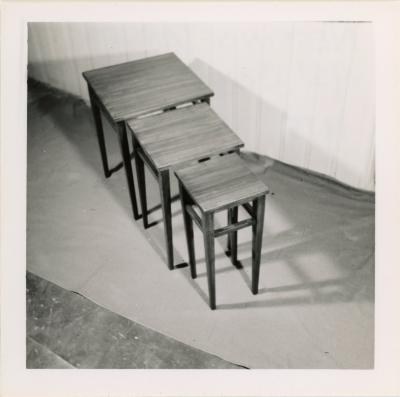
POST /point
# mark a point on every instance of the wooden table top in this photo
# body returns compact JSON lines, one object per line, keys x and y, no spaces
{"x":182,"y":135}
{"x":218,"y":183}
{"x":146,"y":85}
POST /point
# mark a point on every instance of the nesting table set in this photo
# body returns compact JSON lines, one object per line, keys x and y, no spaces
{"x":165,"y":108}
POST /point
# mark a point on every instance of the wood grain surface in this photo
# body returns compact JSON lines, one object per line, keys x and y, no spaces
{"x":146,"y":85}
{"x":221,"y":182}
{"x":182,"y":135}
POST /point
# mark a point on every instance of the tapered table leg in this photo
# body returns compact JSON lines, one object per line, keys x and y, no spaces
{"x":208,"y":235}
{"x":232,"y":237}
{"x":258,"y":227}
{"x":100,"y":133}
{"x":166,"y":209}
{"x":228,"y":240}
{"x":126,"y":158}
{"x":141,"y":179}
{"x":188,"y":222}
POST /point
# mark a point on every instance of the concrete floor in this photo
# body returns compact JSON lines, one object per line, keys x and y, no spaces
{"x":66,"y":330}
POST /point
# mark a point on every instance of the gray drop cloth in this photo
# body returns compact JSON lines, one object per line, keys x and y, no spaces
{"x":315,"y":308}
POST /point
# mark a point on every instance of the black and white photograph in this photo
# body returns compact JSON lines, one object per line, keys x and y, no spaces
{"x":174,"y":169}
{"x":200,"y":195}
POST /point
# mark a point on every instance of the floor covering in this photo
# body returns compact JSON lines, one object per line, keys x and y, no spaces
{"x":315,"y":307}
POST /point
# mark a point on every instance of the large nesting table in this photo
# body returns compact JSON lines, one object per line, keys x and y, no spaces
{"x":133,"y":89}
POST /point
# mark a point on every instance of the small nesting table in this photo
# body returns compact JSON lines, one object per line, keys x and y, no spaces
{"x":164,"y":141}
{"x":136,"y":88}
{"x":222,"y":183}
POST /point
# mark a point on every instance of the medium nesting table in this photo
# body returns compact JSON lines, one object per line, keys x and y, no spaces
{"x":136,"y":88}
{"x":176,"y":138}
{"x":222,"y":183}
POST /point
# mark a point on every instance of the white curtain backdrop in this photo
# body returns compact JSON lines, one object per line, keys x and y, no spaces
{"x":299,"y":92}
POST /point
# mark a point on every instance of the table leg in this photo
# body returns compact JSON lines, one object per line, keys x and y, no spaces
{"x":163,"y":180}
{"x":188,"y":222}
{"x":228,"y":251}
{"x":126,"y":158}
{"x":100,"y":134}
{"x":141,"y":178}
{"x":208,"y":235}
{"x":258,"y":226}
{"x":232,"y":237}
